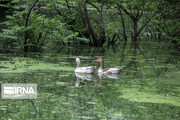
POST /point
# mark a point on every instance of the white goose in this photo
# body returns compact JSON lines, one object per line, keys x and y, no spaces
{"x":106,"y":70}
{"x":89,"y":69}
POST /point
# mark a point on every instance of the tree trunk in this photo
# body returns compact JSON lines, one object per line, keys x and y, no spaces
{"x":102,"y":37}
{"x":123,"y":24}
{"x":94,"y":37}
{"x":135,"y":30}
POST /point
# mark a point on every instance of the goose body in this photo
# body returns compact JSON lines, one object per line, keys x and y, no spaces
{"x":107,"y":70}
{"x":89,"y":69}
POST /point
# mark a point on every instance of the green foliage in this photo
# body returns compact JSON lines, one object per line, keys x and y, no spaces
{"x":55,"y":22}
{"x":41,"y":30}
{"x":169,"y":20}
{"x":70,"y":12}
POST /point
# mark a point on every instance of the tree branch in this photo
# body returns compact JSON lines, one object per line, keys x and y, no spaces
{"x":94,"y":6}
{"x":141,"y":13}
{"x":123,"y":24}
{"x":138,"y":10}
{"x":149,"y":18}
{"x":126,"y":11}
{"x":101,"y":27}
{"x":27,"y":19}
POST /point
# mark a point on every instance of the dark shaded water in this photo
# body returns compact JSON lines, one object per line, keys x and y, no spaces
{"x":147,"y":88}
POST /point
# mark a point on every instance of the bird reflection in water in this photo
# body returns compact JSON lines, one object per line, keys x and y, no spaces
{"x":90,"y":77}
{"x":83,"y":76}
{"x":110,"y":76}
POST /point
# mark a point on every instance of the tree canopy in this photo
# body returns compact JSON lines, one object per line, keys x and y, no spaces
{"x":33,"y":25}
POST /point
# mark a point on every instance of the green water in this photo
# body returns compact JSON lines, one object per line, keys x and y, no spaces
{"x":147,"y":88}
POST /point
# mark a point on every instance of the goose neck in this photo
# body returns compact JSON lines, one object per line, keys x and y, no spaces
{"x":102,"y":65}
{"x":78,"y":64}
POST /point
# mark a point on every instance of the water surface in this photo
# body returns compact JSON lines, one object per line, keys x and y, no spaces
{"x":147,"y":88}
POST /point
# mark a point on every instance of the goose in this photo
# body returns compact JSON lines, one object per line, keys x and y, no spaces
{"x":106,"y":70}
{"x":89,"y":69}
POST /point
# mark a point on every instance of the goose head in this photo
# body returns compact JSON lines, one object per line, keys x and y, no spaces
{"x":77,"y":60}
{"x":99,"y":60}
{"x":101,"y":63}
